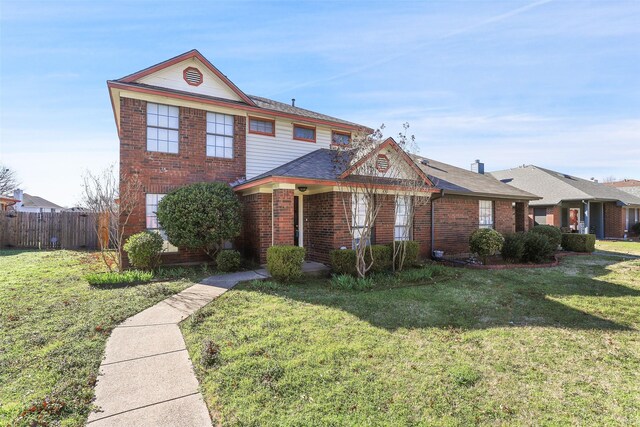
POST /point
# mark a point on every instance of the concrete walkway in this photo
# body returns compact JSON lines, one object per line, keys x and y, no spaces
{"x":146,"y":377}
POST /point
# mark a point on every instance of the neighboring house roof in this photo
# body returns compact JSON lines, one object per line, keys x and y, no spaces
{"x":555,"y":187}
{"x":29,"y":201}
{"x":323,"y":164}
{"x":631,"y":186}
{"x":455,"y":180}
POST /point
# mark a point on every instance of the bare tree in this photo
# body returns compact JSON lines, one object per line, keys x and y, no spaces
{"x":111,"y":202}
{"x":8,"y":180}
{"x":369,"y":174}
{"x":609,"y":178}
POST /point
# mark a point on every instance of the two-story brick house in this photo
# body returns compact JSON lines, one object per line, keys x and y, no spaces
{"x":182,"y":121}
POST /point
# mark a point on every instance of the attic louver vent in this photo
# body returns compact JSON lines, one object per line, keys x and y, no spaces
{"x":382,"y":163}
{"x":192,"y":76}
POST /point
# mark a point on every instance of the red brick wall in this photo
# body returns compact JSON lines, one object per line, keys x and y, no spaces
{"x":521,"y":216}
{"x":283,"y":227}
{"x":422,"y":228}
{"x":614,"y":220}
{"x":162,"y":172}
{"x":256,"y":226}
{"x":325,"y":224}
{"x":504,"y":216}
{"x":386,"y":219}
{"x":455,"y":218}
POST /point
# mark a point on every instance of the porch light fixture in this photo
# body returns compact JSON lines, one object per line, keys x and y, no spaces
{"x":302,"y":189}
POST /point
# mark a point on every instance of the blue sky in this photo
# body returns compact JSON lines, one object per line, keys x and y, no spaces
{"x":552,"y":83}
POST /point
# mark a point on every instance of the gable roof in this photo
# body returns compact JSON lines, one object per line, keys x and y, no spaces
{"x":623,"y":183}
{"x":555,"y":187}
{"x":249,"y":103}
{"x":29,"y":201}
{"x":193,"y":53}
{"x":321,"y":165}
{"x":454,"y":180}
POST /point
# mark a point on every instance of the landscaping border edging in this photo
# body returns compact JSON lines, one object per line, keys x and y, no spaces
{"x":557,"y":257}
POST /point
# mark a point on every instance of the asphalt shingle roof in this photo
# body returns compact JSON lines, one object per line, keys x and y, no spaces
{"x":29,"y":201}
{"x":324,"y":164}
{"x":555,"y":187}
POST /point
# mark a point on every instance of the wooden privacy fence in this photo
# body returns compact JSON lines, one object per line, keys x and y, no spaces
{"x":48,"y":230}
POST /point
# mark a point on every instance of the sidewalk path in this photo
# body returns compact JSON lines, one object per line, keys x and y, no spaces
{"x":146,"y":377}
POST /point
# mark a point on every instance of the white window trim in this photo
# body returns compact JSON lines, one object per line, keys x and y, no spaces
{"x":481,"y":210}
{"x":169,"y":129}
{"x":402,"y":221}
{"x":211,"y":120}
{"x":166,"y":247}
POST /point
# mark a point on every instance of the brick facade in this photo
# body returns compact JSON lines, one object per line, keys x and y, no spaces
{"x":504,"y":216}
{"x":325,"y":224}
{"x":163,"y":172}
{"x":283,"y":227}
{"x":455,"y":218}
{"x":614,"y":220}
{"x":256,"y":230}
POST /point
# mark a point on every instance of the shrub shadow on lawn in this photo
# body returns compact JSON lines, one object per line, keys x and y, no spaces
{"x":478,"y":299}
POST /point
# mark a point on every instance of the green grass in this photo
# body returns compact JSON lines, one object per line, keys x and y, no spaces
{"x":555,"y":346}
{"x":627,"y":248}
{"x":54,"y":326}
{"x":119,"y":278}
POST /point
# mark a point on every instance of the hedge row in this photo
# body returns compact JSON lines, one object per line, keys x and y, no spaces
{"x":343,"y":261}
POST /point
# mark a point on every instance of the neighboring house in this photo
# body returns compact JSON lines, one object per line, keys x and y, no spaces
{"x":182,"y":121}
{"x":631,"y":186}
{"x":7,"y":203}
{"x":575,"y":203}
{"x":29,"y":203}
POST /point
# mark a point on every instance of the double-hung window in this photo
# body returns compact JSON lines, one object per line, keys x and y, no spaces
{"x":486,"y":214}
{"x":151,"y":203}
{"x":220,"y":135}
{"x":359,"y":211}
{"x":402,"y":229}
{"x":162,"y":128}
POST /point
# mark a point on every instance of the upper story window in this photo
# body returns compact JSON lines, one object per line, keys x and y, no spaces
{"x":402,"y":230}
{"x":486,"y":214}
{"x":304,"y":133}
{"x":162,"y":128}
{"x":262,"y":126}
{"x":220,"y":135}
{"x":340,"y":138}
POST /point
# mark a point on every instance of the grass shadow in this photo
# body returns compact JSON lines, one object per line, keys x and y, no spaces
{"x":481,"y":299}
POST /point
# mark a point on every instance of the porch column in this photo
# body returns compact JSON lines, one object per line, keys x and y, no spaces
{"x":587,"y":218}
{"x":282,"y":214}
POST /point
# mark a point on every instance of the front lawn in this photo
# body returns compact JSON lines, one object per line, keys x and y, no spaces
{"x":552,"y":346}
{"x":625,"y":248}
{"x":54,"y":327}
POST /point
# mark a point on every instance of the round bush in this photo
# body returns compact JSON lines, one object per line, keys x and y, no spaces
{"x":228,"y":260}
{"x":537,"y":247}
{"x":485,"y":242}
{"x":635,"y":228}
{"x":144,"y":249}
{"x":554,"y":234}
{"x":513,"y":247}
{"x":201,"y":216}
{"x":284,"y":263}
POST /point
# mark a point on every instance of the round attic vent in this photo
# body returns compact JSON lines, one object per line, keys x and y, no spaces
{"x":192,"y":76}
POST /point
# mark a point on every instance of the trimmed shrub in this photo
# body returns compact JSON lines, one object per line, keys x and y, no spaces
{"x":343,"y":261}
{"x":381,"y":255}
{"x":485,"y":242}
{"x":553,"y":234}
{"x":635,"y":228}
{"x":579,"y":242}
{"x":129,"y":277}
{"x":228,"y":260}
{"x":144,"y":249}
{"x":284,"y":263}
{"x":513,"y":247}
{"x":537,"y":247}
{"x":201,"y":216}
{"x":412,"y":250}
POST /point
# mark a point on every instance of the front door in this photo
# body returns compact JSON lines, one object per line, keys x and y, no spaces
{"x":296,"y":220}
